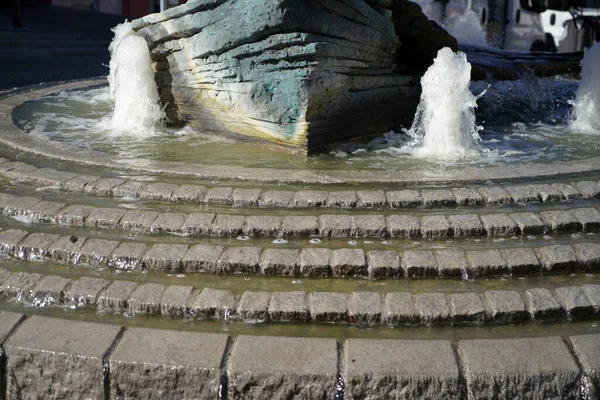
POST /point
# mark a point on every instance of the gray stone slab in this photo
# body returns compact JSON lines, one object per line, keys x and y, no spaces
{"x":85,"y":291}
{"x":342,"y":199}
{"x":300,"y":225}
{"x":246,"y":197}
{"x":35,"y":247}
{"x":568,"y":191}
{"x":138,"y":220}
{"x":370,"y":199}
{"x":523,"y":193}
{"x":398,"y":308}
{"x":18,"y":286}
{"x":115,"y":297}
{"x":165,"y":257}
{"x":219,"y":195}
{"x":78,"y":183}
{"x":529,"y":223}
{"x":348,"y":263}
{"x":169,"y":223}
{"x":198,"y":223}
{"x":6,"y":199}
{"x":384,"y":264}
{"x":129,"y":189}
{"x":373,"y":226}
{"x":10,"y":240}
{"x":495,"y":195}
{"x":541,"y":304}
{"x":263,"y":225}
{"x":21,"y":205}
{"x":21,"y":172}
{"x":67,"y":249}
{"x":431,"y":308}
{"x":281,"y":262}
{"x":191,"y":193}
{"x":403,"y":226}
{"x":202,"y":258}
{"x":58,"y":359}
{"x":213,"y":304}
{"x":266,"y":367}
{"x":466,"y":307}
{"x":336,"y":225}
{"x":438,"y":198}
{"x":419,"y":263}
{"x":74,"y":215}
{"x":465,"y":225}
{"x":277,"y":198}
{"x":103,"y":186}
{"x":592,"y":292}
{"x":310,"y":198}
{"x":128,"y":255}
{"x":51,"y":176}
{"x":158,"y":191}
{"x":588,"y":218}
{"x":400,"y":369}
{"x":288,"y":306}
{"x":560,"y":221}
{"x":105,"y":218}
{"x":175,"y":300}
{"x":467,"y":196}
{"x":589,"y":189}
{"x":145,"y":299}
{"x":97,"y":251}
{"x":587,"y":351}
{"x":228,"y":225}
{"x":435,"y":226}
{"x":451,"y":263}
{"x":486,"y":263}
{"x":558,"y":258}
{"x":314,"y":262}
{"x":8,"y":322}
{"x":240,"y":260}
{"x":521,"y":261}
{"x":548,"y":193}
{"x":329,"y":307}
{"x":404,"y":198}
{"x":253,"y":306}
{"x":574,"y":302}
{"x":504,"y":305}
{"x":46,"y":211}
{"x":364,"y":308}
{"x":50,"y":290}
{"x":498,"y":225}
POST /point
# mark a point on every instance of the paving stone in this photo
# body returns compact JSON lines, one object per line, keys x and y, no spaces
{"x":8,"y":322}
{"x":521,"y":261}
{"x":174,"y":301}
{"x":67,"y":249}
{"x":574,"y":302}
{"x":398,"y":308}
{"x":548,"y":193}
{"x":466,"y":307}
{"x":568,"y":191}
{"x":431,"y":308}
{"x":263,"y":225}
{"x":51,"y":176}
{"x":4,"y":274}
{"x":592,"y":292}
{"x":465,"y":225}
{"x":498,"y":225}
{"x":486,"y":263}
{"x":174,"y":364}
{"x":277,"y":198}
{"x":419,"y":263}
{"x":342,"y":199}
{"x":560,"y":221}
{"x":364,"y":308}
{"x":314,"y":262}
{"x":540,"y":368}
{"x":74,"y":215}
{"x":253,"y":306}
{"x":20,"y":205}
{"x":404,"y":198}
{"x":329,"y":307}
{"x":169,"y":223}
{"x":400,"y":369}
{"x":495,"y":195}
{"x":310,"y":198}
{"x":281,"y":262}
{"x":246,"y":197}
{"x":219,"y":195}
{"x":288,"y":306}
{"x":403,"y":226}
{"x":467,"y":196}
{"x":438,"y":198}
{"x":213,"y":303}
{"x":348,"y":263}
{"x":103,"y":186}
{"x":373,"y":226}
{"x":384,"y":264}
{"x":21,"y":172}
{"x":115,"y":297}
{"x":130,"y":189}
{"x":35,"y":246}
{"x":49,"y":290}
{"x":60,"y":358}
{"x":587,"y":351}
{"x":240,"y":260}
{"x":46,"y":211}
{"x":300,"y":225}
{"x":19,"y":285}
{"x":165,"y":257}
{"x":105,"y":218}
{"x":78,"y":183}
{"x":336,"y":225}
{"x":370,"y":199}
{"x":504,"y":305}
{"x":523,"y":193}
{"x":128,"y":255}
{"x":264,"y":367}
{"x":10,"y":239}
{"x":228,"y":225}
{"x":138,"y":220}
{"x":145,"y":299}
{"x":451,"y":263}
{"x":589,"y":189}
{"x":202,"y":258}
{"x":198,"y":224}
{"x":529,"y":223}
{"x":558,"y":258}
{"x":85,"y":291}
{"x":158,"y":191}
{"x":541,"y":304}
{"x":6,"y":199}
{"x":588,"y":218}
{"x":435,"y":226}
{"x":97,"y":251}
{"x":192,"y":193}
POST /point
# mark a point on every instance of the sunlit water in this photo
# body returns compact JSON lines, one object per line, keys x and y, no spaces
{"x":467,"y":30}
{"x":587,"y":103}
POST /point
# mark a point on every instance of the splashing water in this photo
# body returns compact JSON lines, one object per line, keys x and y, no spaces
{"x":586,"y":106}
{"x":444,"y":126}
{"x":467,"y":30}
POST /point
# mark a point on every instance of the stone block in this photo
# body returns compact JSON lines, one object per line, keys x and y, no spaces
{"x":219,"y":195}
{"x":588,"y":218}
{"x":280,"y":262}
{"x":495,"y":195}
{"x":58,"y":359}
{"x":348,"y":263}
{"x":264,"y":367}
{"x":438,"y":198}
{"x":541,"y":304}
{"x":129,"y":189}
{"x":263,"y":225}
{"x":240,"y":260}
{"x":174,"y":364}
{"x":300,"y":225}
{"x":115,"y":297}
{"x":587,"y":351}
{"x":384,"y":264}
{"x":202,"y":258}
{"x":8,"y":322}
{"x":138,"y":220}
{"x":523,"y":193}
{"x":158,"y":191}
{"x":504,"y":305}
{"x":521,"y":261}
{"x":288,"y":306}
{"x":128,"y":255}
{"x":198,"y":224}
{"x":169,"y":223}
{"x":191,"y":193}
{"x":78,"y":183}
{"x":589,"y":189}
{"x":574,"y":302}
{"x":46,"y":211}
{"x":529,"y":223}
{"x":498,"y":225}
{"x":560,"y":221}
{"x":105,"y":218}
{"x":10,"y":240}
{"x":403,"y":226}
{"x":435,"y":227}
{"x":370,"y":199}
{"x":419,"y":263}
{"x":333,"y":225}
{"x":35,"y":247}
{"x":592,"y":292}
{"x":165,"y":257}
{"x":465,"y":225}
{"x":548,"y":193}
{"x":404,"y":198}
{"x":19,"y":285}
{"x":74,"y":215}
{"x":342,"y":199}
{"x":310,"y":198}
{"x":97,"y":251}
{"x":373,"y":226}
{"x":431,"y":308}
{"x":466,"y":307}
{"x":398,"y":308}
{"x":485,"y":263}
{"x":20,"y":205}
{"x":49,"y":291}
{"x":329,"y":307}
{"x":174,"y":301}
{"x":85,"y":291}
{"x":145,"y":299}
{"x":213,"y":304}
{"x":67,"y":249}
{"x":451,"y":263}
{"x":51,"y":176}
{"x":103,"y":186}
{"x":568,"y":191}
{"x":364,"y":308}
{"x":558,"y":258}
{"x":253,"y":306}
{"x":228,"y":225}
{"x":277,"y":198}
{"x":467,"y":196}
{"x":314,"y":262}
{"x":246,"y":197}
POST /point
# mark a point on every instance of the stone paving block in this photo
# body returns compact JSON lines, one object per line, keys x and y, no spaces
{"x":310,"y":198}
{"x":281,"y":262}
{"x":589,"y":189}
{"x":498,"y":225}
{"x":228,"y":225}
{"x":145,"y":299}
{"x":21,"y":172}
{"x":6,"y":199}
{"x":46,"y":211}
{"x":592,"y":293}
{"x":438,"y":198}
{"x":373,"y":226}
{"x":35,"y":246}
{"x":529,"y":223}
{"x":8,"y":322}
{"x":587,"y":351}
{"x":138,"y":220}
{"x":588,"y":218}
{"x":486,"y":263}
{"x":314,"y":262}
{"x":51,"y":176}
{"x":451,"y":263}
{"x":574,"y":302}
{"x":4,"y":274}
{"x":348,"y":263}
{"x":568,"y":191}
{"x":74,"y":215}
{"x":213,"y":303}
{"x":219,"y":195}
{"x":329,"y":306}
{"x":558,"y":258}
{"x":336,"y":225}
{"x":128,"y":255}
{"x":191,"y":193}
{"x":560,"y":221}
{"x":547,"y":192}
{"x":129,"y":189}
{"x":398,"y":308}
{"x":202,"y":258}
{"x":264,"y":367}
{"x":169,"y":223}
{"x":466,"y":307}
{"x":540,"y":368}
{"x":85,"y":291}
{"x":465,"y":225}
{"x":78,"y":183}
{"x":19,"y":285}
{"x":431,"y":308}
{"x":404,"y":198}
{"x":263,"y":225}
{"x":342,"y":199}
{"x":504,"y":305}
{"x":541,"y":304}
{"x":494,"y":195}
{"x":67,"y":249}
{"x":403,"y":226}
{"x":521,"y":261}
{"x":174,"y":301}
{"x":467,"y":196}
{"x":300,"y":225}
{"x":246,"y":197}
{"x":50,"y":290}
{"x":103,"y":186}
{"x":165,"y":257}
{"x":419,"y":263}
{"x":21,"y":205}
{"x":364,"y":308}
{"x":253,"y":306}
{"x":435,"y":226}
{"x":288,"y":306}
{"x":115,"y":297}
{"x":158,"y":191}
{"x":97,"y":251}
{"x":277,"y":198}
{"x":523,"y":193}
{"x":10,"y":240}
{"x":240,"y":260}
{"x":105,"y":218}
{"x":58,"y":358}
{"x":401,"y":369}
{"x":198,"y":224}
{"x":173,"y":365}
{"x":384,"y":264}
{"x":370,"y":199}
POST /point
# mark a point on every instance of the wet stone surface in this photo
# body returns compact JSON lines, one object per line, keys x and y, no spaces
{"x":504,"y":305}
{"x":541,"y":304}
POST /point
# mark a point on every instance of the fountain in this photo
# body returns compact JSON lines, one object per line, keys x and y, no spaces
{"x":585,"y":106}
{"x":185,"y":264}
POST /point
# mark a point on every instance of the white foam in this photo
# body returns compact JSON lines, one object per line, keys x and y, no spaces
{"x":586,"y":106}
{"x":467,"y":30}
